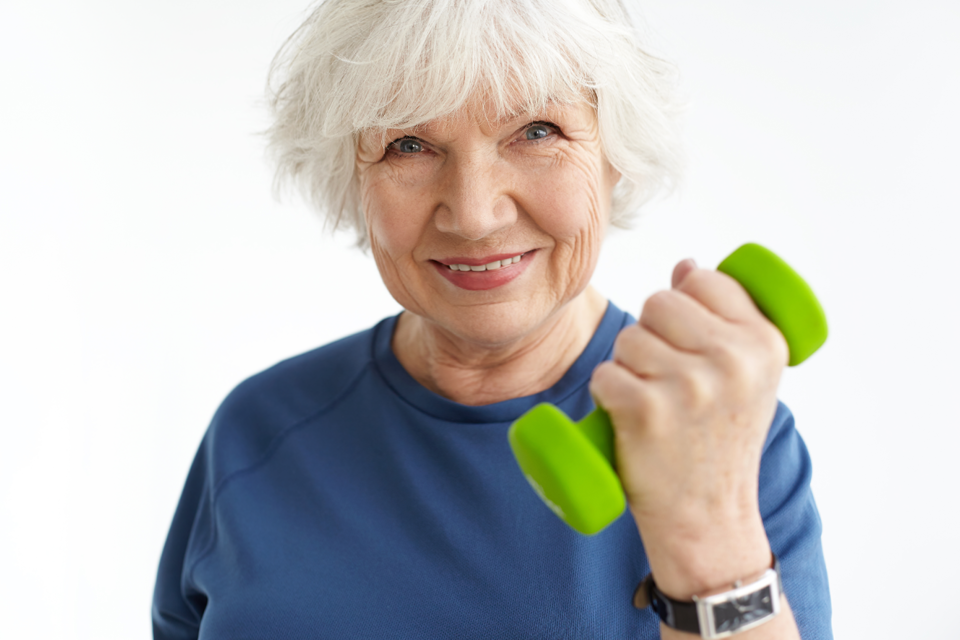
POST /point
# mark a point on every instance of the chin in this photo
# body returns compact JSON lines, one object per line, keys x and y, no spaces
{"x":494,"y":326}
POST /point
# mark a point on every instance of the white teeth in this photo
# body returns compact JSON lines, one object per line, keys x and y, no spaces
{"x":496,"y":264}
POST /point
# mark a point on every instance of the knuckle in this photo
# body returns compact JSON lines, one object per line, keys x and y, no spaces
{"x":602,"y":371}
{"x":627,"y":339}
{"x":766,"y":349}
{"x":740,"y":365}
{"x":657,"y":303}
{"x":628,"y":401}
{"x":747,"y":360}
{"x":776,"y":345}
{"x":698,"y":280}
{"x":600,"y":380}
{"x":697,"y":388}
{"x":727,"y":353}
{"x":632,"y":347}
{"x":636,"y":412}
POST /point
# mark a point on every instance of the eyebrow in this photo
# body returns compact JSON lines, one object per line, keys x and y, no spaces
{"x":552,"y":106}
{"x":506,"y":119}
{"x":549,"y":111}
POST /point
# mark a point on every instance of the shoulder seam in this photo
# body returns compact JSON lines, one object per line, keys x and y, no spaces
{"x":264,"y":457}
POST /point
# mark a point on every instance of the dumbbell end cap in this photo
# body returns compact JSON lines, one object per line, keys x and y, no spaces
{"x":782,"y":295}
{"x":566,"y":470}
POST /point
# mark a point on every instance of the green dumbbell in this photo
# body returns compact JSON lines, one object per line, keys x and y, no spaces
{"x":570,"y":465}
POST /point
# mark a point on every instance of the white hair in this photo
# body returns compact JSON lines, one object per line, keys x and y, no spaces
{"x":370,"y":65}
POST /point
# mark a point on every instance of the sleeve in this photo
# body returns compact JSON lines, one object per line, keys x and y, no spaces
{"x":793,"y":526}
{"x":177,"y":605}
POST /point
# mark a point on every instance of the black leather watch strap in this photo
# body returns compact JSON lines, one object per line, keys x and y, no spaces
{"x":676,"y":614}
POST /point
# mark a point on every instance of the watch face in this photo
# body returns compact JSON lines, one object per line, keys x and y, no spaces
{"x":738,"y":612}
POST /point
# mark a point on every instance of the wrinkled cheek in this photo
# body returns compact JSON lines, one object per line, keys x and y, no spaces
{"x":380,"y":245}
{"x":397,"y":229}
{"x":585,"y":240}
{"x":582,"y":201}
{"x":380,"y":255}
{"x":391,"y":245}
{"x":390,"y":273}
{"x":585,"y":224}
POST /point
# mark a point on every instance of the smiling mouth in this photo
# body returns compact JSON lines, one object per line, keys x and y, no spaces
{"x":490,"y":266}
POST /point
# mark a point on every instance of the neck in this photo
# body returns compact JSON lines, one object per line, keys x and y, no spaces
{"x":476,"y":374}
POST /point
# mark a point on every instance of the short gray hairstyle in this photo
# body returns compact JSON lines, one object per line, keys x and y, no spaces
{"x":358,"y":66}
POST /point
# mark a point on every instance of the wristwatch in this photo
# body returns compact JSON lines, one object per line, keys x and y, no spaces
{"x":720,"y":615}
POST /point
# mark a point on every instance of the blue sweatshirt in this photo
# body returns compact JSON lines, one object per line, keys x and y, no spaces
{"x":335,"y":497}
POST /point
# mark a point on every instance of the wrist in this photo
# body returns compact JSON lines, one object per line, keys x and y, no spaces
{"x":706,"y":561}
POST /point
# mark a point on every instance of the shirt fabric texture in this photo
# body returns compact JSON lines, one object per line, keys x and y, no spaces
{"x":335,"y":497}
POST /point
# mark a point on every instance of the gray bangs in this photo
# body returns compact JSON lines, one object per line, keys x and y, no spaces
{"x":360,"y":66}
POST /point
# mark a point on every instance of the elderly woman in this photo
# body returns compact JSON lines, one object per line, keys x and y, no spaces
{"x":481,"y":149}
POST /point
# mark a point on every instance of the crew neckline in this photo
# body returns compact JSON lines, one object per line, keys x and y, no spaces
{"x":412,"y":392}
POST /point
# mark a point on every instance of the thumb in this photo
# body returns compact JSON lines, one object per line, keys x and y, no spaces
{"x":681,"y":270}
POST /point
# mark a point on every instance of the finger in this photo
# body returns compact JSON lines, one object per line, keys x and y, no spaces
{"x":721,"y":294}
{"x":647,"y":354}
{"x":627,"y":398}
{"x":681,"y":270}
{"x":680,"y":321}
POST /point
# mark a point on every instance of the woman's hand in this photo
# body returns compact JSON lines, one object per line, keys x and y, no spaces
{"x":691,"y":392}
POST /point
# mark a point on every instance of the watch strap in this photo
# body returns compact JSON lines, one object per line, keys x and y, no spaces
{"x":676,"y":614}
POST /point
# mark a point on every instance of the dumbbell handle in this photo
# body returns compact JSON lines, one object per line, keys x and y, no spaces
{"x":597,"y":428}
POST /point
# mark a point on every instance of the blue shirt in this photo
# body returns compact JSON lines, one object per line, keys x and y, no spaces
{"x":335,"y":497}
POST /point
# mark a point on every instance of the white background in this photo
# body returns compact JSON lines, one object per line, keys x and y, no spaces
{"x":145,"y":270}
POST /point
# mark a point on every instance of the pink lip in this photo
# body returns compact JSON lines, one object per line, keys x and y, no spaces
{"x":483,"y":280}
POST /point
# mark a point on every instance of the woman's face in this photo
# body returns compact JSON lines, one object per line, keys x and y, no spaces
{"x":521,"y":204}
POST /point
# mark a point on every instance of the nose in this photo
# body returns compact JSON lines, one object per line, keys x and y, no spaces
{"x":475,"y":202}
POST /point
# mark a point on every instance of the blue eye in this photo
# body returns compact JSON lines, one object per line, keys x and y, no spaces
{"x":407,"y":145}
{"x":537,"y":131}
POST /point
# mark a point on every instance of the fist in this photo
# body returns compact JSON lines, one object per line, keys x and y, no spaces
{"x":691,"y":392}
